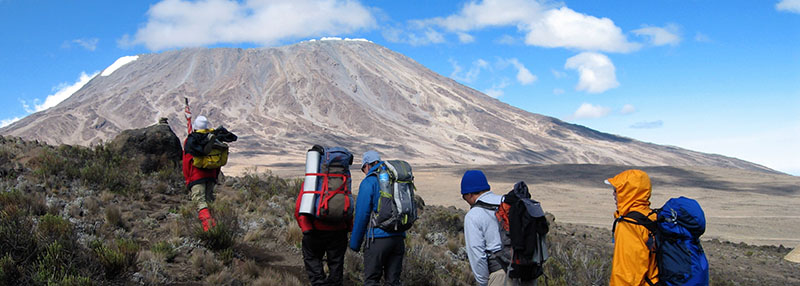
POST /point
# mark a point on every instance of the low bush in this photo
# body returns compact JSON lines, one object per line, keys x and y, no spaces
{"x":221,"y":236}
{"x":165,"y":250}
{"x":116,"y":257}
{"x":97,"y":167}
{"x":266,"y":185}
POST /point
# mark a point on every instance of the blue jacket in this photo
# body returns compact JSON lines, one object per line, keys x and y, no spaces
{"x":366,"y":204}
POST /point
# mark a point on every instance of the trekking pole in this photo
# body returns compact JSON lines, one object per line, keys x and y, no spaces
{"x":188,"y":115}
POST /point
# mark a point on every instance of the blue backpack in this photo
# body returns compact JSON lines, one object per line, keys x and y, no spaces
{"x":675,"y":238}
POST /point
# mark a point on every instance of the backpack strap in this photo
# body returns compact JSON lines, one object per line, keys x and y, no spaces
{"x":637,"y":218}
{"x":485,"y":205}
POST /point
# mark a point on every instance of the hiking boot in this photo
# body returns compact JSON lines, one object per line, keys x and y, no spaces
{"x":206,"y":220}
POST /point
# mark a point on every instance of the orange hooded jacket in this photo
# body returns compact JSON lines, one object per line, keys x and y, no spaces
{"x":633,"y":260}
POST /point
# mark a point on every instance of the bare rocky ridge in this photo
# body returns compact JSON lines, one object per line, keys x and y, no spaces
{"x":280,"y":101}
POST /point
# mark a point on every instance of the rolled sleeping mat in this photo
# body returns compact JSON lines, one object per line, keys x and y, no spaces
{"x":310,"y":182}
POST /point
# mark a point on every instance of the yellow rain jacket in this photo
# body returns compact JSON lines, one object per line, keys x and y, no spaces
{"x":633,"y":260}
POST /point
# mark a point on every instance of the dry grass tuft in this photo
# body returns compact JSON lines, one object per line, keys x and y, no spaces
{"x":206,"y":262}
{"x":274,"y":276}
{"x":114,"y":217}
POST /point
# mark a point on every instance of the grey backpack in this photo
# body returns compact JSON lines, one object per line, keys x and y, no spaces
{"x":397,"y":210}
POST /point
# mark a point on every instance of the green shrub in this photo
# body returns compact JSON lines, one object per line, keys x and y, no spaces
{"x":266,"y":185}
{"x":51,"y":266}
{"x":8,"y":270}
{"x":98,"y":167}
{"x":32,"y":204}
{"x":17,"y":237}
{"x":116,"y":258}
{"x":164,"y":249}
{"x":216,"y":238}
{"x":76,"y":281}
{"x":221,"y":236}
{"x":54,"y":228}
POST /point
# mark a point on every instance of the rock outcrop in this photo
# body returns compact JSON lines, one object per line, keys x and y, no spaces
{"x":152,"y":148}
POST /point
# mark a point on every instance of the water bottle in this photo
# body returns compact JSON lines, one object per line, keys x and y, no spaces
{"x":383,"y":178}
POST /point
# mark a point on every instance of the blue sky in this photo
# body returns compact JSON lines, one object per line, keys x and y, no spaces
{"x":713,"y":76}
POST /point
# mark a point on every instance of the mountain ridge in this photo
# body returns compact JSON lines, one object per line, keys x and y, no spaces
{"x":359,"y":95}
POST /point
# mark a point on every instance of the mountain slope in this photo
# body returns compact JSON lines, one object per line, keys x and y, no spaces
{"x":282,"y":100}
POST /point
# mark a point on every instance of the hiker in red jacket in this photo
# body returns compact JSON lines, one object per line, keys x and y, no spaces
{"x":200,"y":181}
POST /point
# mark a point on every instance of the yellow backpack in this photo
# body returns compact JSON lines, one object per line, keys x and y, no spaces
{"x":218,"y":156}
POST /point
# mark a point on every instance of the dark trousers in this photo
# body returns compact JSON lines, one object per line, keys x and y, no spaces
{"x":384,"y":257}
{"x":319,"y":243}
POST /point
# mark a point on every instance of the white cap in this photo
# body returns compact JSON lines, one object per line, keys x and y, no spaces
{"x":200,"y":123}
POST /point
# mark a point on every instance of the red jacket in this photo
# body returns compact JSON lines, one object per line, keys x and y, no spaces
{"x":194,"y":175}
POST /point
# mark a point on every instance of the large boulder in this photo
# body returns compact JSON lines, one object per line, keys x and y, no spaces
{"x":153,"y":147}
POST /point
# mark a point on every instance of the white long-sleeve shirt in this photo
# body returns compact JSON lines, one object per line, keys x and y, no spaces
{"x":481,"y":233}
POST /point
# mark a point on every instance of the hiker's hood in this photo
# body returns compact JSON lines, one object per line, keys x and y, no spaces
{"x":633,"y":192}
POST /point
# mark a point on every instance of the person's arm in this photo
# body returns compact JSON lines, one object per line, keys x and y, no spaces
{"x":476,"y":247}
{"x":362,"y":212}
{"x":631,"y":255}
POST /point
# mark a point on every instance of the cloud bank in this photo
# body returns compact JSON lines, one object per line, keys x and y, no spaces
{"x":63,"y":91}
{"x":648,"y":124}
{"x":792,"y":6}
{"x":543,"y":24}
{"x":628,"y":109}
{"x":181,"y":23}
{"x":597,"y":72}
{"x":524,"y":76}
{"x":587,"y":110}
{"x":658,"y":36}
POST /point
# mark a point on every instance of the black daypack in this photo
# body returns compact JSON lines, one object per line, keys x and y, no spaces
{"x":397,"y":210}
{"x":523,"y":229}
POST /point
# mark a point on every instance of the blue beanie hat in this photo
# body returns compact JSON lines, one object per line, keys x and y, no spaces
{"x":474,"y":181}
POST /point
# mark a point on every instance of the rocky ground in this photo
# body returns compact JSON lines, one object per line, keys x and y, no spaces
{"x":107,"y":207}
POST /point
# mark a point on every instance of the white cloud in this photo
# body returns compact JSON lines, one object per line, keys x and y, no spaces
{"x":477,"y":15}
{"x":524,"y":76}
{"x":506,"y":40}
{"x":558,"y":74}
{"x":628,"y":109}
{"x":181,"y":23}
{"x":658,"y":36}
{"x":558,"y":91}
{"x":648,"y":124}
{"x":63,"y":91}
{"x":597,"y":72}
{"x":792,"y":6}
{"x":700,"y":37}
{"x":465,"y":38}
{"x":472,"y":74}
{"x":497,"y":89}
{"x":6,"y":122}
{"x":424,"y":37}
{"x":89,"y":44}
{"x":565,"y":28}
{"x":587,"y":110}
{"x":494,"y":92}
{"x":118,"y":64}
{"x":543,"y":23}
